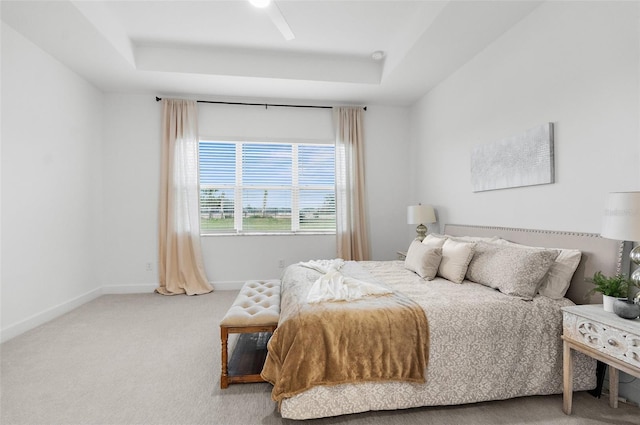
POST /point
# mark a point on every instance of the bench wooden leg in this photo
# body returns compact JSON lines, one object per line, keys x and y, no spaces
{"x":224,"y":376}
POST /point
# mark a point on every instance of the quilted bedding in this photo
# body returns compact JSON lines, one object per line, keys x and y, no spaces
{"x":483,"y":345}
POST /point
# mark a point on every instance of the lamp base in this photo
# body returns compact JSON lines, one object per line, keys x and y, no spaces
{"x":634,"y":256}
{"x":422,"y":232}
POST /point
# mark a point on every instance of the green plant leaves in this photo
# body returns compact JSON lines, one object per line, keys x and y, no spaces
{"x":614,"y":286}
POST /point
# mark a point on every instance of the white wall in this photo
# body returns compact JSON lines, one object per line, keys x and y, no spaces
{"x":51,"y":184}
{"x":80,"y":173}
{"x":388,"y":176}
{"x":131,"y":174}
{"x":131,"y":180}
{"x":576,"y":64}
{"x":230,"y":260}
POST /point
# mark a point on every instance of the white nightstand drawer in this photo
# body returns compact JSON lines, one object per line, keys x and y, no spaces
{"x":607,"y":339}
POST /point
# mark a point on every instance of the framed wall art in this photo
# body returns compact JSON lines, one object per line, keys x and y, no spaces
{"x":522,"y":160}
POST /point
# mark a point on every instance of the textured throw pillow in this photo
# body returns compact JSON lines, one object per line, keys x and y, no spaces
{"x":512,"y":270}
{"x":423,"y":259}
{"x":434,"y":241}
{"x":455,"y":259}
{"x":557,"y":280}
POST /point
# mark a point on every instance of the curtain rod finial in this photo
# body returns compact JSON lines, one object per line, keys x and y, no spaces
{"x":158,"y":99}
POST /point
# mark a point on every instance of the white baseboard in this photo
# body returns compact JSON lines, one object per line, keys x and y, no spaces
{"x":150,"y":287}
{"x":143,"y":288}
{"x":234,"y":285}
{"x":45,"y":316}
{"x":49,"y":314}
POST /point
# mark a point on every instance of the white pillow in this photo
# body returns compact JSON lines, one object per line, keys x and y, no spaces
{"x":434,"y":241}
{"x":423,"y":259}
{"x":455,"y":259}
{"x":556,"y":282}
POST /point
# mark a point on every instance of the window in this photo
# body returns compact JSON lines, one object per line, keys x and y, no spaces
{"x":253,"y":187}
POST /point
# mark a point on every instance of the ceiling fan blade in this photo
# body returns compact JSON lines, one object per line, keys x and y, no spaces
{"x":278,"y":20}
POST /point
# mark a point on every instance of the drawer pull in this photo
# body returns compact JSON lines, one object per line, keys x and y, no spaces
{"x":612,"y":342}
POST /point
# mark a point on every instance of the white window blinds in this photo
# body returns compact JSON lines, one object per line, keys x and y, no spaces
{"x":251,"y":187}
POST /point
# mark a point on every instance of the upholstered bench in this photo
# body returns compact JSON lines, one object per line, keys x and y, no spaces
{"x":255,"y":310}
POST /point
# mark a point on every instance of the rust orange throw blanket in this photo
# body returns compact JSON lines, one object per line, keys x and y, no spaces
{"x":375,"y":338}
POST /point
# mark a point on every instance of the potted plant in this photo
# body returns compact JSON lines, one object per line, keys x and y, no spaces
{"x":628,"y":308}
{"x":611,"y":288}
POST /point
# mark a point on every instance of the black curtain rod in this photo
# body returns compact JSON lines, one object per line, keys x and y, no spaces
{"x":158,"y":99}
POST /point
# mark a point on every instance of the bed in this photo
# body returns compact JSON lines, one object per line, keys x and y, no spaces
{"x":479,"y":344}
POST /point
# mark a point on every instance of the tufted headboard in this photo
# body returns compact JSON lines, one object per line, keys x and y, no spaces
{"x":598,"y":253}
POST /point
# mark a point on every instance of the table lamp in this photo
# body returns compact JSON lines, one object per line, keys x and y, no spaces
{"x":421,"y":215}
{"x":621,"y":221}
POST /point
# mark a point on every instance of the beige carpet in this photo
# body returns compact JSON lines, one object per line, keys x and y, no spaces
{"x":151,"y":359}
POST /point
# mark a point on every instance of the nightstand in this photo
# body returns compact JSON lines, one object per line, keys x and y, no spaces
{"x":603,"y":336}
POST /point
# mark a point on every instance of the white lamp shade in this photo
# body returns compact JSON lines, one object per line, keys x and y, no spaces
{"x":420,"y":214}
{"x":621,"y":219}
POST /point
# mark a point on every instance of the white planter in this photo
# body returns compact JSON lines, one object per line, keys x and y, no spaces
{"x":607,"y":303}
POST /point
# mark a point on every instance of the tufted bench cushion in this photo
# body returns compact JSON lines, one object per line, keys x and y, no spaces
{"x":256,"y":310}
{"x":258,"y":303}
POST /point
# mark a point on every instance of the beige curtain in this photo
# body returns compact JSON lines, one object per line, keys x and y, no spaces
{"x":353,"y":243}
{"x":181,"y":269}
